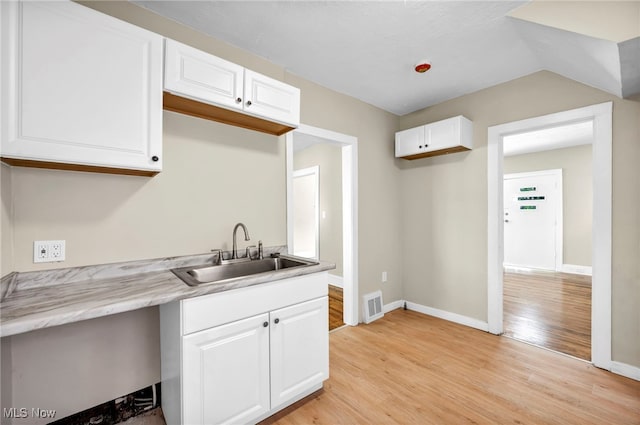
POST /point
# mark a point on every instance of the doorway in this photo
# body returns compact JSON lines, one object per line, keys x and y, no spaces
{"x":306,"y":222}
{"x":533,"y":220}
{"x":601,"y":117}
{"x":308,"y":135}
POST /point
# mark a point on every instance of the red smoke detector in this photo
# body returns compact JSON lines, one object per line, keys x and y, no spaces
{"x":422,"y":67}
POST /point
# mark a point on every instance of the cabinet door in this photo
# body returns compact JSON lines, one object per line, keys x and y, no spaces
{"x":203,"y":77}
{"x":443,"y":134}
{"x":299,"y":349}
{"x":226,"y":373}
{"x":410,"y":142}
{"x":80,"y":87}
{"x":271,"y":99}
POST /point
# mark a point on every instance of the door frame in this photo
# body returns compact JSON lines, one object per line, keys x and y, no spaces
{"x":601,"y":116}
{"x":559,"y":242}
{"x":349,"y":145}
{"x":311,"y":171}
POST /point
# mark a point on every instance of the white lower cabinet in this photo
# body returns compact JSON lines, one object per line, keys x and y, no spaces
{"x":226,"y":373}
{"x":242,"y":370}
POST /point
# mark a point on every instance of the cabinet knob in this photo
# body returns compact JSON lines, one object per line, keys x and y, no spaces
{"x":276,"y":321}
{"x":238,"y":100}
{"x":248,"y":103}
{"x":155,"y":158}
{"x":265,"y":324}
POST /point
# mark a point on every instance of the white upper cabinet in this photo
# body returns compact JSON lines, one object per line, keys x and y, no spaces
{"x":271,"y":99}
{"x":438,"y":138}
{"x":203,"y":85}
{"x":203,"y":77}
{"x":80,"y":90}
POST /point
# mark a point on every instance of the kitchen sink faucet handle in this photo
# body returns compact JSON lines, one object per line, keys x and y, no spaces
{"x":220,"y":255}
{"x":260,"y":251}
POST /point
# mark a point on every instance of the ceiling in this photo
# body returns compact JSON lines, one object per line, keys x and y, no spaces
{"x":368,"y":49}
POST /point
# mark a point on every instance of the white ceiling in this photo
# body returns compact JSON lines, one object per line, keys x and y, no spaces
{"x":368,"y":49}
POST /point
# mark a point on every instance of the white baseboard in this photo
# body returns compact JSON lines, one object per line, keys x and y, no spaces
{"x":336,"y":280}
{"x":626,"y":370}
{"x":394,"y":305}
{"x":573,"y":269}
{"x":447,"y":315}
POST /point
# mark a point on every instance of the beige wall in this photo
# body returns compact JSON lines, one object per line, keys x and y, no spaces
{"x":328,"y":158}
{"x":214,"y":176}
{"x":445,"y":202}
{"x":577,"y":188}
{"x":73,"y":367}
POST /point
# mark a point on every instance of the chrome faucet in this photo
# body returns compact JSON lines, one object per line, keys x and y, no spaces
{"x":234,"y":253}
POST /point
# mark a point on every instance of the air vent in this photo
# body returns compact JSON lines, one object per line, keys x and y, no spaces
{"x":372,"y":306}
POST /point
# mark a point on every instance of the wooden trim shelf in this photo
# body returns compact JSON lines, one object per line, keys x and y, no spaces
{"x":75,"y":167}
{"x":437,"y":153}
{"x":183,"y":105}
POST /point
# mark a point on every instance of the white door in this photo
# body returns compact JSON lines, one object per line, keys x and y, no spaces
{"x":533,"y":220}
{"x":306,"y":220}
{"x":226,"y":373}
{"x":299,"y":349}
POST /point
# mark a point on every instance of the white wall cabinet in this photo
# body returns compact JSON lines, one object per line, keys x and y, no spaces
{"x":438,"y":138}
{"x":80,"y":90}
{"x":192,"y":75}
{"x":240,"y":356}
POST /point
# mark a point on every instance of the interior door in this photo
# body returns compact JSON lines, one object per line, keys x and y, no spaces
{"x":306,"y":220}
{"x":532,"y":211}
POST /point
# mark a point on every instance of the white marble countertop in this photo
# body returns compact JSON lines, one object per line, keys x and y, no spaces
{"x":36,"y":300}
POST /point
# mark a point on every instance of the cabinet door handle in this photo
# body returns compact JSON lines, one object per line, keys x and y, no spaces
{"x":276,"y":321}
{"x":265,"y":324}
{"x":155,"y":158}
{"x":248,"y":103}
{"x":238,"y":100}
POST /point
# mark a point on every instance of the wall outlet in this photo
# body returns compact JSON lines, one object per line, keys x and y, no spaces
{"x":384,"y":277}
{"x":49,"y":251}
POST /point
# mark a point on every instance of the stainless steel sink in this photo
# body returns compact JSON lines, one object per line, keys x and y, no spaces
{"x":237,"y":269}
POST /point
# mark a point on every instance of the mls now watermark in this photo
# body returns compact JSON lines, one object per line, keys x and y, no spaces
{"x":23,"y":412}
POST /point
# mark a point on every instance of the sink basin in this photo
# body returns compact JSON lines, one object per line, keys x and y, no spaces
{"x":237,"y":269}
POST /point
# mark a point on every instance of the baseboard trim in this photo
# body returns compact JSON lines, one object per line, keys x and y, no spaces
{"x":392,"y":306}
{"x":628,"y":371}
{"x":574,"y":269}
{"x":447,"y":315}
{"x":335,"y":280}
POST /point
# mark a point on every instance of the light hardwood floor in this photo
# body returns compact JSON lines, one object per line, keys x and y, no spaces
{"x":552,"y":310}
{"x":409,"y":368}
{"x":336,"y":307}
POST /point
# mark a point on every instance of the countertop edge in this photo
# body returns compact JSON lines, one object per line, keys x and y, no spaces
{"x":171,"y":289}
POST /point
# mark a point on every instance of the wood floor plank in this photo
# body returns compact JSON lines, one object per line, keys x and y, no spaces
{"x":336,"y":306}
{"x":552,"y":310}
{"x":409,"y":368}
